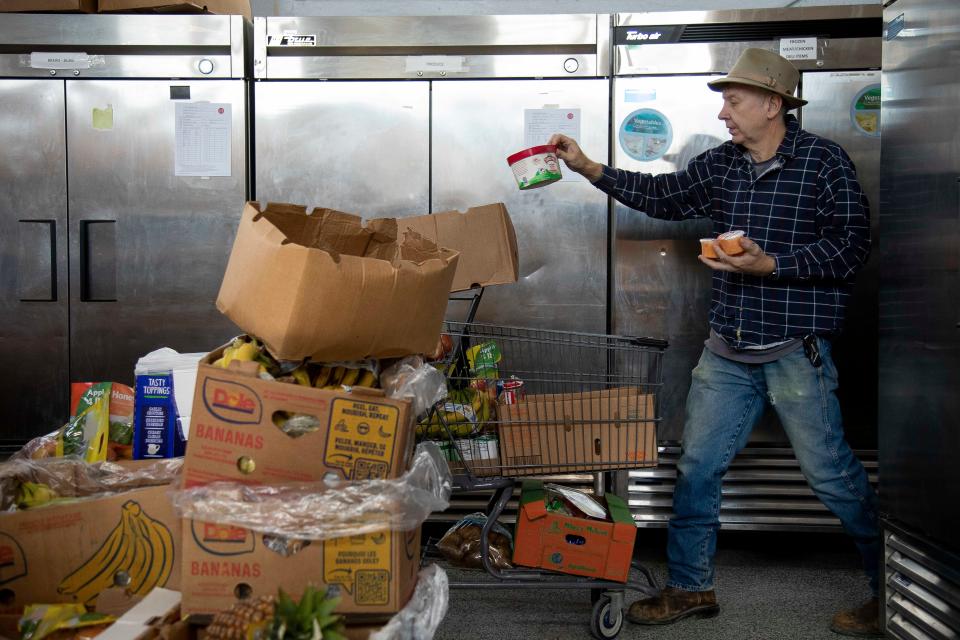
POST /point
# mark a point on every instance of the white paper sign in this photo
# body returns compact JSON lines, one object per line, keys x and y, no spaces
{"x":540,"y":124}
{"x":451,"y":64}
{"x":798,"y":48}
{"x":203,"y":134}
{"x":59,"y":60}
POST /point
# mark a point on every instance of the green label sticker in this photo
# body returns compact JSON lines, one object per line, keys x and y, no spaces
{"x":865,"y":111}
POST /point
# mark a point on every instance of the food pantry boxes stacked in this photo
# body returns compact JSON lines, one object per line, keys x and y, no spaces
{"x":324,"y":286}
{"x":73,"y":550}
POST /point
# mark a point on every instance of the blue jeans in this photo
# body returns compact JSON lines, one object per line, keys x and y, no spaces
{"x":726,"y":400}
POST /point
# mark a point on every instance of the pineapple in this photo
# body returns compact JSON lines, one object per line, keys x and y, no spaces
{"x":280,"y":618}
{"x":242,"y":619}
{"x":311,"y":619}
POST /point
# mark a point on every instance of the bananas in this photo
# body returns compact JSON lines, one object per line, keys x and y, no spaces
{"x":307,"y":374}
{"x":139,"y":551}
{"x":334,"y":378}
{"x":239,"y":350}
{"x":465,"y":413}
{"x":34,"y":494}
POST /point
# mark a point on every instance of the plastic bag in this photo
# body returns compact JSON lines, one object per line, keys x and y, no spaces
{"x":411,"y":378}
{"x":324,"y":510}
{"x":422,"y":615}
{"x":461,"y":543}
{"x":51,"y":479}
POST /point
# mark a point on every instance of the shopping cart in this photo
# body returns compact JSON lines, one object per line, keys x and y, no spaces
{"x":526,"y":402}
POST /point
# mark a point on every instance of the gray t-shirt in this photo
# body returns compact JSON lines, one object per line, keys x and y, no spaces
{"x":761,"y":355}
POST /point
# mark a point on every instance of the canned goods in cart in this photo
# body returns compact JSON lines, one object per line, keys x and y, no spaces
{"x":513,"y":391}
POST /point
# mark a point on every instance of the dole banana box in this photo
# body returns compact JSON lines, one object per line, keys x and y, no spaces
{"x":374,"y":574}
{"x":327,"y":286}
{"x":71,"y":552}
{"x":237,"y":434}
{"x":580,"y":546}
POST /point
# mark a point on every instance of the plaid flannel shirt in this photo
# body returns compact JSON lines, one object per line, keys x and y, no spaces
{"x":807,"y":211}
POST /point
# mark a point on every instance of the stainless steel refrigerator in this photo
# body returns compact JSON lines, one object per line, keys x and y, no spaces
{"x":392,"y":116}
{"x":662,"y":63}
{"x":919,"y":319}
{"x":108,"y":248}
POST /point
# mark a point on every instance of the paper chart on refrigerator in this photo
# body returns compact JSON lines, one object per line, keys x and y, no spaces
{"x":203,"y":132}
{"x":540,"y":124}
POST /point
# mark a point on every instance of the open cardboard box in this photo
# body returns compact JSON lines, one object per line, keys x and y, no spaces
{"x":324,"y":285}
{"x":485,"y":238}
{"x":233,"y":437}
{"x":568,"y":544}
{"x":71,"y":552}
{"x":222,"y":7}
{"x":375,"y":573}
{"x":561,"y":433}
{"x":83,"y":6}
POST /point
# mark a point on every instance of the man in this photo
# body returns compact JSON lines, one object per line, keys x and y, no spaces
{"x":774,"y":308}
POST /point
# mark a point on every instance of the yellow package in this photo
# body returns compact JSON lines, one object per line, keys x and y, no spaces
{"x":40,"y":620}
{"x":87,"y":433}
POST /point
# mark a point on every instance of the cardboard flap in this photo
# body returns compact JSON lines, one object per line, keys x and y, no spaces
{"x":533,"y":500}
{"x":418,"y":249}
{"x":250,"y":369}
{"x":367,"y":391}
{"x":625,"y":528}
{"x":383,"y":241}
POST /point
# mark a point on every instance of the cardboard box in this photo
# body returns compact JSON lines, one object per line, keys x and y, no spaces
{"x":580,"y":546}
{"x":324,"y":286}
{"x":84,"y":6}
{"x":375,"y":573}
{"x":154,"y":616}
{"x":68,"y":552}
{"x":485,"y":238}
{"x":362,"y":434}
{"x":222,"y":7}
{"x":561,"y":433}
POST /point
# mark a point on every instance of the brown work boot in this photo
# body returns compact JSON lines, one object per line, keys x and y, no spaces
{"x":862,"y":622}
{"x":672,"y":605}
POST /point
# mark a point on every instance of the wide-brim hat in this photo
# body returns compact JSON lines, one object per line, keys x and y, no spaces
{"x":766,"y":70}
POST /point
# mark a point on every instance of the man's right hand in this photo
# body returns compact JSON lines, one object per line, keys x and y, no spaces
{"x":575,"y":159}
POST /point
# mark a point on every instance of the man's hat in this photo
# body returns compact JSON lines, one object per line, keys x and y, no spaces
{"x":766,"y":70}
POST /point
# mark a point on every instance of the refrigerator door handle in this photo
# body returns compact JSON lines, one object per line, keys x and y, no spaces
{"x":37,"y":261}
{"x":98,"y":261}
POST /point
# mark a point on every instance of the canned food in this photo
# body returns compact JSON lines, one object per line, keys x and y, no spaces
{"x":513,"y":391}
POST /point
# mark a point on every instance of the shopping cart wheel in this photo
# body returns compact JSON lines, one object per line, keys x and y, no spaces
{"x":606,"y":619}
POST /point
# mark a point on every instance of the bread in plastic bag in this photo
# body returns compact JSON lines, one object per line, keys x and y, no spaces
{"x":461,"y":543}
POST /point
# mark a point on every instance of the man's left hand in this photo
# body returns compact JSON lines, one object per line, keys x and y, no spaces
{"x":753,"y":261}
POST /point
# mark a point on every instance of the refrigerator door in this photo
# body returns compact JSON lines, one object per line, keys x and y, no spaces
{"x":34,"y":389}
{"x":844,"y":106}
{"x":562,"y":227}
{"x":148,"y":248}
{"x":361,"y":147}
{"x":919,"y":412}
{"x":660,"y":288}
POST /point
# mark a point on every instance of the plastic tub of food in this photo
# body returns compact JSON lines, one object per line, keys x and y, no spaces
{"x":729,"y":242}
{"x":536,"y":166}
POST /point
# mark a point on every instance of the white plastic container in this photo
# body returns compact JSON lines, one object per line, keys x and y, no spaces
{"x":536,"y":166}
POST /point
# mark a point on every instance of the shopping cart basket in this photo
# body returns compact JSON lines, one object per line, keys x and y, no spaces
{"x":525,"y":402}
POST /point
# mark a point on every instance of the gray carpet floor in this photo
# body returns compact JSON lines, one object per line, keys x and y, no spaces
{"x":770,"y":586}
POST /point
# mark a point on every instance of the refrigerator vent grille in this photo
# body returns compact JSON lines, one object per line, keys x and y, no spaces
{"x":764,"y":489}
{"x":922,"y":590}
{"x":753,"y":31}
